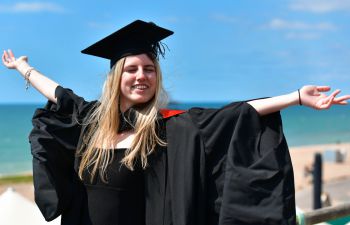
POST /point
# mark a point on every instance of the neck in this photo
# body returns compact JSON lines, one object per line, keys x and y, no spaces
{"x":127,"y":120}
{"x":124,"y":107}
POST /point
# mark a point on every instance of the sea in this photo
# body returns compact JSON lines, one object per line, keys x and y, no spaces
{"x":302,"y":126}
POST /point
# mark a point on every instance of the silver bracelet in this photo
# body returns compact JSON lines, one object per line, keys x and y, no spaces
{"x":26,"y":77}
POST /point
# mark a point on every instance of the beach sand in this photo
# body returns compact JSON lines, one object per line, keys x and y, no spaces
{"x":336,"y":175}
{"x":302,"y":157}
{"x":25,"y":189}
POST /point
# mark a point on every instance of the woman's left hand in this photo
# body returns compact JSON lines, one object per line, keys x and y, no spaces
{"x":314,"y":97}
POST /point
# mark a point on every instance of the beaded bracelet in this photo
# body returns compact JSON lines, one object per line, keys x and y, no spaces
{"x":26,"y":77}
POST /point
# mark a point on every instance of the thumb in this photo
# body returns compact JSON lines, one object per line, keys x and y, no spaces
{"x":23,"y":58}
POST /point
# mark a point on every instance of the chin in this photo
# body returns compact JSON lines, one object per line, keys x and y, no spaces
{"x":142,"y":102}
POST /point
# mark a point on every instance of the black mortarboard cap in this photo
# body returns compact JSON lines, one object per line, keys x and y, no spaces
{"x":135,"y":38}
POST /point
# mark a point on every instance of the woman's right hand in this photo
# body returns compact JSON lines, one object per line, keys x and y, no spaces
{"x":10,"y":61}
{"x":42,"y":83}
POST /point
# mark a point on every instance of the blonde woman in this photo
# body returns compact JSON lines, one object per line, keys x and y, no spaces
{"x":124,"y":160}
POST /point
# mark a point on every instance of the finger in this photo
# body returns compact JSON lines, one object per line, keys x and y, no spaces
{"x":341,"y":98}
{"x":4,"y":59}
{"x":11,"y":54}
{"x":342,"y":103}
{"x":326,"y":99}
{"x":6,"y":55}
{"x":323,"y":88}
{"x":334,"y":93}
{"x":328,"y":103}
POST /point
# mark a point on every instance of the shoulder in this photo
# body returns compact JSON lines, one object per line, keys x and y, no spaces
{"x":234,"y":106}
{"x":70,"y":103}
{"x":167,"y":113}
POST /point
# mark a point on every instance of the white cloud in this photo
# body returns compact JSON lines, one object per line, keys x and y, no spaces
{"x":32,"y":7}
{"x":172,"y":19}
{"x":280,"y":24}
{"x":97,"y":25}
{"x":329,"y":77}
{"x":283,"y":53}
{"x":299,"y":30}
{"x":303,"y":35}
{"x":223,"y":18}
{"x":320,"y":6}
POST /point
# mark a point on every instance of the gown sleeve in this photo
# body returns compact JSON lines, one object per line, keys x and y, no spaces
{"x":53,"y":140}
{"x":249,"y":172}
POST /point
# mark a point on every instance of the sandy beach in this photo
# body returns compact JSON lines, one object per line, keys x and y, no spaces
{"x":336,"y":175}
{"x":302,"y":158}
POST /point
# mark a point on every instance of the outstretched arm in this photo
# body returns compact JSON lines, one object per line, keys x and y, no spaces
{"x":311,"y":96}
{"x":40,"y":82}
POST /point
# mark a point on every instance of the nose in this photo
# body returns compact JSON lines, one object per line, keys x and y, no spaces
{"x":140,"y":75}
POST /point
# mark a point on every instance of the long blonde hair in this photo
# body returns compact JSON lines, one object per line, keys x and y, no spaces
{"x":98,"y":142}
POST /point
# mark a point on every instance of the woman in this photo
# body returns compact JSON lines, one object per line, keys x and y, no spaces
{"x":136,"y":164}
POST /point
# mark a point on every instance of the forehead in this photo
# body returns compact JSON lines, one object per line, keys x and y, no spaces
{"x":141,"y":59}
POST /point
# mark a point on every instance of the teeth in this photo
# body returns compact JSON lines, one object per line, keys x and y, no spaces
{"x":140,"y":86}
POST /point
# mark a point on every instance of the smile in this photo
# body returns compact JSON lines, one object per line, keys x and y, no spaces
{"x":139,"y":86}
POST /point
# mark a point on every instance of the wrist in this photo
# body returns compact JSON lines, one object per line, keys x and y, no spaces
{"x":294,"y":98}
{"x":22,"y":67}
{"x":299,"y":98}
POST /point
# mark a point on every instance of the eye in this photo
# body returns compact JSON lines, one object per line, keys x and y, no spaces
{"x":149,"y":69}
{"x":131,"y":71}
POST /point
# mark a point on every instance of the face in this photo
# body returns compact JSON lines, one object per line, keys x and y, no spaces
{"x":138,"y":81}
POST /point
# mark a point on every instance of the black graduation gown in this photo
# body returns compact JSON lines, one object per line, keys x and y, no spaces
{"x":221,"y":166}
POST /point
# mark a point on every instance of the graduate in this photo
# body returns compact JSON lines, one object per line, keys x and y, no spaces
{"x":124,"y":160}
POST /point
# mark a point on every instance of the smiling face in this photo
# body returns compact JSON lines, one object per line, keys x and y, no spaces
{"x":138,"y":82}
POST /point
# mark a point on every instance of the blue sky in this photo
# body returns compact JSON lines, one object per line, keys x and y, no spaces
{"x":221,"y":51}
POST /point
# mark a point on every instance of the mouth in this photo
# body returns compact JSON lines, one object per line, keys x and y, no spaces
{"x":139,"y":87}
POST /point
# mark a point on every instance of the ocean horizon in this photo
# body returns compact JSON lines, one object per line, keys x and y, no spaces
{"x":302,"y":126}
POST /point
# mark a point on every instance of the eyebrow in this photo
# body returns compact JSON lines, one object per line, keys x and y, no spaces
{"x":132,"y":65}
